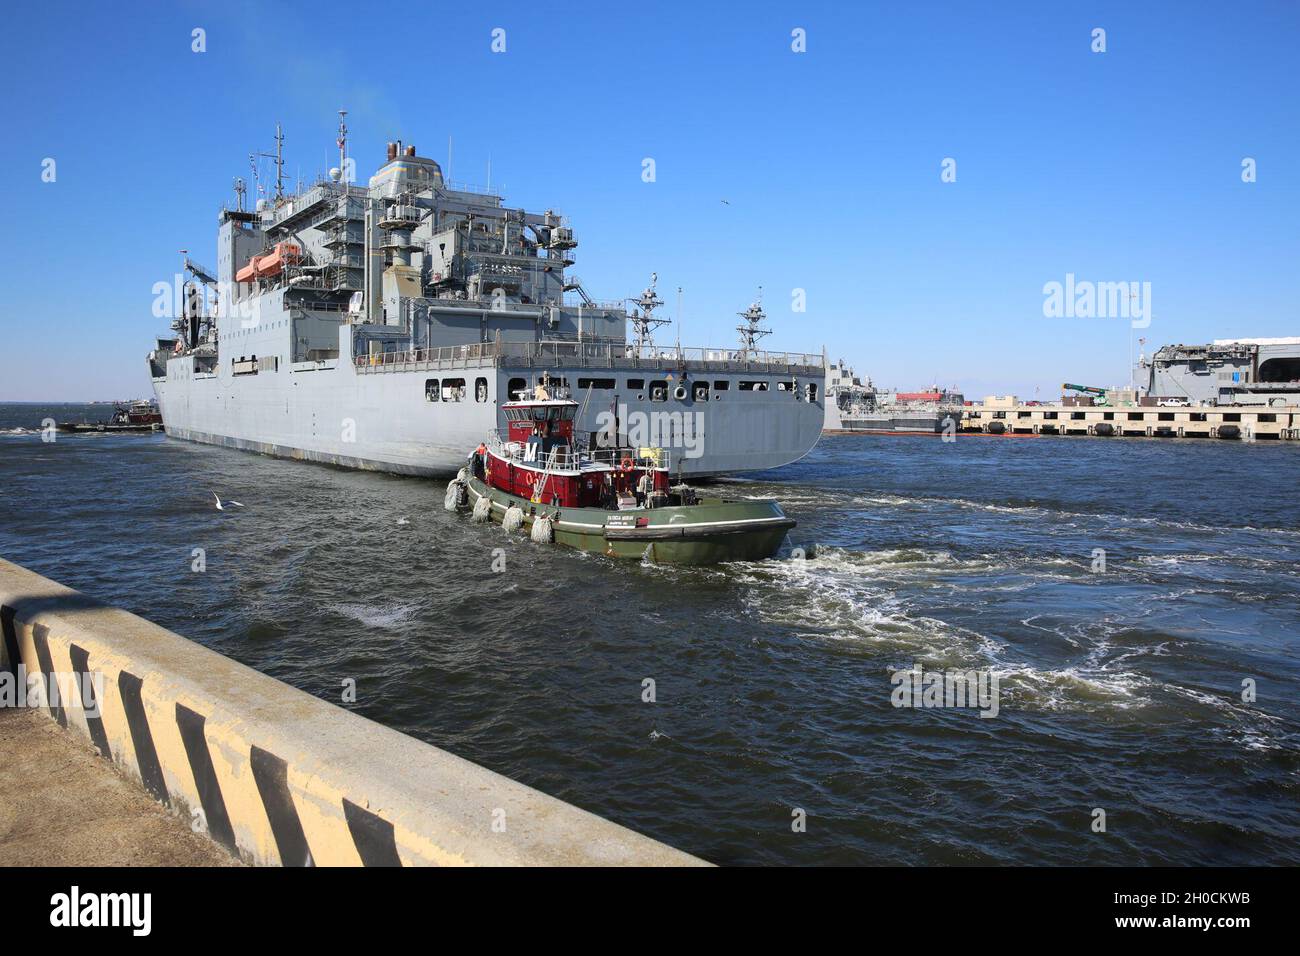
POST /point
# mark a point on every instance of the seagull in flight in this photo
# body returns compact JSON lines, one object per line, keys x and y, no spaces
{"x":221,"y":507}
{"x":726,"y":202}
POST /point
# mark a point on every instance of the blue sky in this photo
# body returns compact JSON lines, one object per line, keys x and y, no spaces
{"x":1115,"y":166}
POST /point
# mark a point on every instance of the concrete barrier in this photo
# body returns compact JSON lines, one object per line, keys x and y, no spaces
{"x":274,"y":774}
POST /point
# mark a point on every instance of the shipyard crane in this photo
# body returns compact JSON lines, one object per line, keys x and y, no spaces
{"x":1087,"y":390}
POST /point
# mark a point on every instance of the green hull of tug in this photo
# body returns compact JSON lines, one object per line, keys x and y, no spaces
{"x":710,"y":532}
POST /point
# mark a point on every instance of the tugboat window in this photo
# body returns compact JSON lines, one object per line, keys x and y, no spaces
{"x":430,"y":389}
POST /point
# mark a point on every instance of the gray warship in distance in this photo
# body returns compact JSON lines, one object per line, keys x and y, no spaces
{"x":852,"y":406}
{"x":384,"y":327}
{"x":1247,"y":371}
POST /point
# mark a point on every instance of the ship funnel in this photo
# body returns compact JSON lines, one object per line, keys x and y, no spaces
{"x":410,"y":151}
{"x":392,"y":152}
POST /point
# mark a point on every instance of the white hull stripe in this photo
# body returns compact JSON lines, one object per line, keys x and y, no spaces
{"x":693,"y":526}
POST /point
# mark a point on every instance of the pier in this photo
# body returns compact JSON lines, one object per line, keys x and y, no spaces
{"x":1230,"y":422}
{"x":269,"y":774}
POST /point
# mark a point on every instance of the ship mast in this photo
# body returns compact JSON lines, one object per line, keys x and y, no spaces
{"x":278,"y":156}
{"x":751,"y":329}
{"x":644,"y":321}
{"x":343,"y":147}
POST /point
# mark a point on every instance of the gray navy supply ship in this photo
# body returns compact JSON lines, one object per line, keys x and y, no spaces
{"x":852,"y":406}
{"x":385,"y":327}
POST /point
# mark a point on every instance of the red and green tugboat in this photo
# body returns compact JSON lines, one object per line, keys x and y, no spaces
{"x":619,"y":502}
{"x":137,"y":417}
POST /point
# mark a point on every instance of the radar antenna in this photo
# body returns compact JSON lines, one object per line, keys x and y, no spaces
{"x":343,"y":147}
{"x":751,"y":328}
{"x":278,"y":156}
{"x":644,"y":321}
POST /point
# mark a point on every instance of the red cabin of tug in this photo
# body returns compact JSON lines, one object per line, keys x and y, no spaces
{"x":539,"y":461}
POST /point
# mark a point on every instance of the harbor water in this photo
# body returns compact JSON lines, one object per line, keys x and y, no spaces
{"x":1126,"y":594}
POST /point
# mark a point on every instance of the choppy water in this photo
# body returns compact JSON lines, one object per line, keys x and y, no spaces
{"x":1119,"y":690}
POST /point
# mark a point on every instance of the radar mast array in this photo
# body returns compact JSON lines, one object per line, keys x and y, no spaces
{"x":643,"y":319}
{"x":751,"y":329}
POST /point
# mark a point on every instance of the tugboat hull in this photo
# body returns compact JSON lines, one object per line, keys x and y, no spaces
{"x":710,"y":532}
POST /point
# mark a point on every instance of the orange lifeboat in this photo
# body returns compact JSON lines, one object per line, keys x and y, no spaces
{"x":270,"y":264}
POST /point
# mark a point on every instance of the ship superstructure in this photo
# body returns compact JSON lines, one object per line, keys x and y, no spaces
{"x":1259,"y":371}
{"x":384,"y":326}
{"x":854,"y":406}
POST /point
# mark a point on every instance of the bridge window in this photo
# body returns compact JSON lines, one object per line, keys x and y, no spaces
{"x":1267,"y":418}
{"x":1136,"y":416}
{"x":1232,"y":417}
{"x":1165,"y":417}
{"x":431,"y":391}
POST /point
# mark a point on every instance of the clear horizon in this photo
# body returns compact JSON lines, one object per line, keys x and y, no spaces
{"x":820,"y":175}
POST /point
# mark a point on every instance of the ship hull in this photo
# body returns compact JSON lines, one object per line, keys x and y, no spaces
{"x":335,"y":414}
{"x":905,"y":423}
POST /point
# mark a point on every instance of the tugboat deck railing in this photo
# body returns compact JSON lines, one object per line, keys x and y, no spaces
{"x":564,"y":459}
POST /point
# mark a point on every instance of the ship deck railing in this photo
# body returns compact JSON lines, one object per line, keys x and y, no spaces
{"x":610,"y":355}
{"x":565,"y":458}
